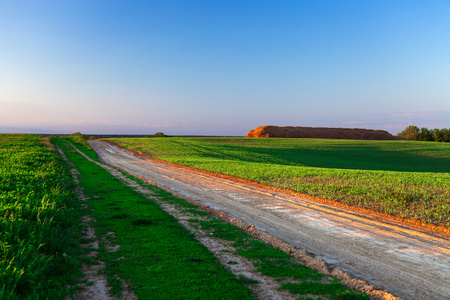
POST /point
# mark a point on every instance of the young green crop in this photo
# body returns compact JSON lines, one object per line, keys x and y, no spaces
{"x":402,"y":178}
{"x":39,"y":227}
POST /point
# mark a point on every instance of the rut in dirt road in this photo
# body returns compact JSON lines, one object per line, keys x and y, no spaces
{"x":388,"y":255}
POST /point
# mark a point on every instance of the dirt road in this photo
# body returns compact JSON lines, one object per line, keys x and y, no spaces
{"x":407,"y":263}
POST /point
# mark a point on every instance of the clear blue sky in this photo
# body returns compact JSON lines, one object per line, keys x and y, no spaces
{"x":222,"y":67}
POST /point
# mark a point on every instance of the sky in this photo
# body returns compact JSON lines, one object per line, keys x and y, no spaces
{"x":224,"y":67}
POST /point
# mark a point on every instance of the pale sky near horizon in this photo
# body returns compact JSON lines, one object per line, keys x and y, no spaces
{"x":222,"y":67}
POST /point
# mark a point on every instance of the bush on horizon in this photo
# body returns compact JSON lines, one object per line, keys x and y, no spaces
{"x":159,"y":134}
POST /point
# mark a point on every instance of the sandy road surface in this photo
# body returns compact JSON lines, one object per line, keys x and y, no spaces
{"x":388,"y":255}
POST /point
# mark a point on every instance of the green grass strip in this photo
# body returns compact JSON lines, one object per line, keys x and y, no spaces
{"x":158,"y":256}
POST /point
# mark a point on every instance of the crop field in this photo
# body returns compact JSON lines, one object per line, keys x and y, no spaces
{"x":401,"y":178}
{"x":38,"y":232}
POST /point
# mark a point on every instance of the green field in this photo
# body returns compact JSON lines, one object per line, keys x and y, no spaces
{"x":39,"y":229}
{"x":402,"y":178}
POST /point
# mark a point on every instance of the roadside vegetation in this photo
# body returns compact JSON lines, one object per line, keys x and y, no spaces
{"x":39,"y":232}
{"x":402,"y":178}
{"x":160,"y":259}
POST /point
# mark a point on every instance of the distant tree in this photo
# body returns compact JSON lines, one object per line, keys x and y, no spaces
{"x":437,"y":136}
{"x":159,"y":134}
{"x":410,"y":133}
{"x":425,"y":134}
{"x":445,"y":133}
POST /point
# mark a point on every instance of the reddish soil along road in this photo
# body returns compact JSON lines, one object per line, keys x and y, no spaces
{"x":391,"y":256}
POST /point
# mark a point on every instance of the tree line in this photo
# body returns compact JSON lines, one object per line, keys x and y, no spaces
{"x":413,"y":133}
